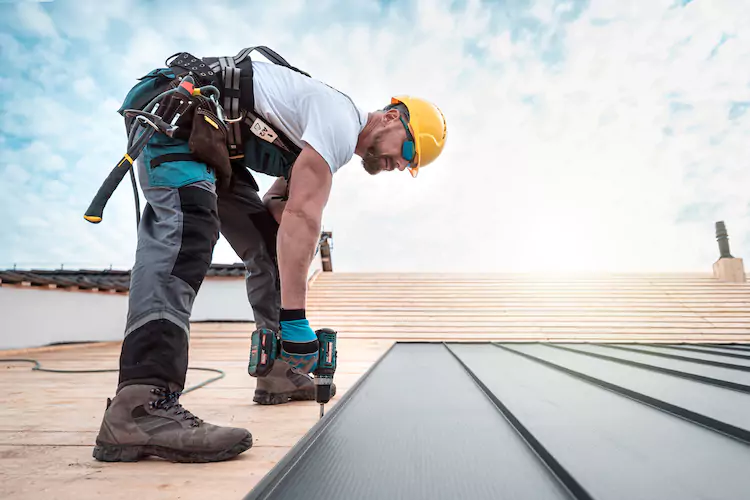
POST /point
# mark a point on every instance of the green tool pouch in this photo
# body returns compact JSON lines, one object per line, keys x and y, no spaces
{"x":149,"y":86}
{"x":264,"y":157}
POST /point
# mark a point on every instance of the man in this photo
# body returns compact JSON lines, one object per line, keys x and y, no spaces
{"x":276,"y":239}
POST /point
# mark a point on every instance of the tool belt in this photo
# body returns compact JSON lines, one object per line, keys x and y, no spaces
{"x":249,"y":138}
{"x":208,"y":103}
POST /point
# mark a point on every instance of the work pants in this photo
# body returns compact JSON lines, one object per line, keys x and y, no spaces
{"x":179,"y":228}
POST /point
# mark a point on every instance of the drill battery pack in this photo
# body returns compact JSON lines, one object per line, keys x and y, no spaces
{"x":264,"y":348}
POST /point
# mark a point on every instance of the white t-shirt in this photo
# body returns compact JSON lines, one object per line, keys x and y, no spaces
{"x":308,"y":111}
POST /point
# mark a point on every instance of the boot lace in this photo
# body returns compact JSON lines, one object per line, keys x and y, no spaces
{"x":169,"y":401}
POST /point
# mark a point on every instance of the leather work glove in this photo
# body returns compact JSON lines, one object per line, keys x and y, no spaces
{"x":299,"y":344}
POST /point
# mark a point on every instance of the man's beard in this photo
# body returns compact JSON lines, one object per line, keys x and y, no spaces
{"x":372,"y":160}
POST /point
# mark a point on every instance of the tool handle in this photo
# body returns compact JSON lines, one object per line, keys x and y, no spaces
{"x":96,"y":208}
{"x":327,"y":352}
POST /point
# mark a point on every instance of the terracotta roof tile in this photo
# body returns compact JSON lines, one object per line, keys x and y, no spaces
{"x":92,"y":279}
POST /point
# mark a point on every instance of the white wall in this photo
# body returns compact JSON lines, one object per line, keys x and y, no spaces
{"x":225,"y":298}
{"x":33,"y":317}
{"x":222,"y":299}
{"x":36,"y":317}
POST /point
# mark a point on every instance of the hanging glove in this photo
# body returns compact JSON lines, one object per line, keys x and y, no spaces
{"x":299,"y":344}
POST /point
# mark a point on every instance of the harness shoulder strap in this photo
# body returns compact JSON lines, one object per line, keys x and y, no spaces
{"x":270,"y":55}
{"x":231,"y":75}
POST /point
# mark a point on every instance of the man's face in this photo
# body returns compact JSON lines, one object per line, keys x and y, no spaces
{"x":385,"y":153}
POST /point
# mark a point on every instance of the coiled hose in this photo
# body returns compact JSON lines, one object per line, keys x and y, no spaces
{"x":38,"y":367}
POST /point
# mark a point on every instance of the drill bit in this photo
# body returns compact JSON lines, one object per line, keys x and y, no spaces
{"x":321,"y":410}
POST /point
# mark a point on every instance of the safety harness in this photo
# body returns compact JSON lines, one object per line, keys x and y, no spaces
{"x":234,"y":76}
{"x":219,"y":134}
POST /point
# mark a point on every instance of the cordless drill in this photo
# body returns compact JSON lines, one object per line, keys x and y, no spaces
{"x":265,"y":347}
{"x":326,"y":366}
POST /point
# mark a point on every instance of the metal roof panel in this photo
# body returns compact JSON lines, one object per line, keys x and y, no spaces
{"x":481,"y":420}
{"x":418,"y":427}
{"x":616,"y":447}
{"x":735,"y":376}
{"x":726,"y":405}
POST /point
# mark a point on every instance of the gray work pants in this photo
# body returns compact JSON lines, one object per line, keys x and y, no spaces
{"x":176,"y":237}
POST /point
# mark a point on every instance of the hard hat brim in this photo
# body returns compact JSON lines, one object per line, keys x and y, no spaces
{"x":417,"y":138}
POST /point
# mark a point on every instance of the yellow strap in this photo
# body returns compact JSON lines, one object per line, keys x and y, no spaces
{"x":126,"y":157}
{"x":213,"y":123}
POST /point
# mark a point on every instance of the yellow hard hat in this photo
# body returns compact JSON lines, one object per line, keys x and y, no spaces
{"x":429,"y":128}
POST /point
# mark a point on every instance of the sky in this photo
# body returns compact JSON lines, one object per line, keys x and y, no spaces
{"x":594,"y":136}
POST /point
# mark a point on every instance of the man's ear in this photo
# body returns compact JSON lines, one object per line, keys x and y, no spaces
{"x":390,"y":116}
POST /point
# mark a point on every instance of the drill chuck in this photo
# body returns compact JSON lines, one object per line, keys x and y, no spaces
{"x":323,"y":387}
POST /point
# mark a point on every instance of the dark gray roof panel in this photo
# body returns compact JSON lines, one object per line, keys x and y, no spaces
{"x":617,"y":448}
{"x":536,"y":421}
{"x":722,"y":404}
{"x":693,"y":357}
{"x":417,"y":428}
{"x":700,"y":353}
{"x":736,"y":376}
{"x":731,"y":347}
{"x":712,"y":350}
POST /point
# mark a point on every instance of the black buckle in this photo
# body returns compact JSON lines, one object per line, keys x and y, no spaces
{"x":197,"y":66}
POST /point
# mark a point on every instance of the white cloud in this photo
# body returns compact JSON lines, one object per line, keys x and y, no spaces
{"x":583,"y":164}
{"x":36,"y":20}
{"x":96,"y":21}
{"x":84,"y":87}
{"x":15,"y":175}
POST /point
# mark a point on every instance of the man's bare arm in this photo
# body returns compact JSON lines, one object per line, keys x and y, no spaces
{"x":276,"y":206}
{"x":299,"y":230}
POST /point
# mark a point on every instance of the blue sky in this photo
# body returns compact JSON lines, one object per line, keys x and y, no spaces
{"x":583,"y":135}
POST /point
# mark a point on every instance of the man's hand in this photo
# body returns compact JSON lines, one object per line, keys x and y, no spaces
{"x":272,"y":200}
{"x":299,"y":229}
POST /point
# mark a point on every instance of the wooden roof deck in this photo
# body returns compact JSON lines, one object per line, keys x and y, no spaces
{"x":48,"y":421}
{"x":648,"y":307}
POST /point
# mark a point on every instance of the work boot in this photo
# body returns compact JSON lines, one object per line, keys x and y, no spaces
{"x":285,"y":384}
{"x":147,"y":420}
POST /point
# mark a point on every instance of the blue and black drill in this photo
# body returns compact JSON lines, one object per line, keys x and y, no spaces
{"x":265,"y":347}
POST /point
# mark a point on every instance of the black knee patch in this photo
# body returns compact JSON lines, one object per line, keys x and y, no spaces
{"x":155,"y":353}
{"x":200,"y":231}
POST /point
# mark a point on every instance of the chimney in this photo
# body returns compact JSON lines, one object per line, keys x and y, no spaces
{"x":325,"y":251}
{"x":727,"y":268}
